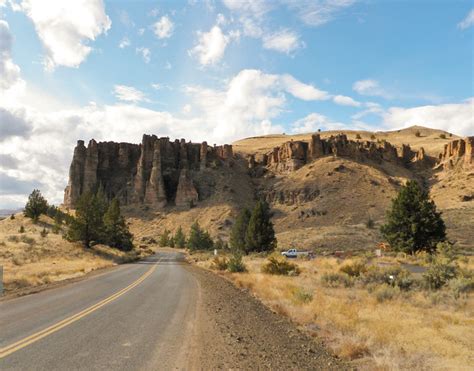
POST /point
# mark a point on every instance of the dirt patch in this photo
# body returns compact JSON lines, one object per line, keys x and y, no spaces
{"x":236,"y":331}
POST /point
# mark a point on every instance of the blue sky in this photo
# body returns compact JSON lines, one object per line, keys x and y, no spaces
{"x":220,"y":71}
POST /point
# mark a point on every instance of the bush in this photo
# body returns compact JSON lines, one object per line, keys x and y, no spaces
{"x":417,"y":133}
{"x":12,"y":217}
{"x":442,"y":136}
{"x":358,"y":136}
{"x":28,"y":240}
{"x":385,"y":292}
{"x":439,"y":273}
{"x":44,"y":233}
{"x":280,"y":266}
{"x":370,"y":223}
{"x":165,"y":238}
{"x":392,"y":276}
{"x":302,"y":296}
{"x":236,"y":265}
{"x":22,"y":229}
{"x":354,"y":269}
{"x":336,"y":280}
{"x":461,"y":285}
{"x":220,"y":263}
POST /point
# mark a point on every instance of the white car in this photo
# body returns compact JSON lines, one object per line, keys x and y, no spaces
{"x":293,"y":253}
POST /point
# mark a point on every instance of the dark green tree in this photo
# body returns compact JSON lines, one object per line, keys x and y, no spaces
{"x":165,"y":238}
{"x":36,"y":205}
{"x":413,"y":224}
{"x":260,"y":235}
{"x":199,"y":239}
{"x":180,"y":238}
{"x":116,"y":230}
{"x":239,"y":230}
{"x":88,"y":225}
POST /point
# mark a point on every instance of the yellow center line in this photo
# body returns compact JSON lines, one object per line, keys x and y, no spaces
{"x":9,"y":349}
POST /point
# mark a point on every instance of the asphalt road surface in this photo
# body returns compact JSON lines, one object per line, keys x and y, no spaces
{"x":137,"y":316}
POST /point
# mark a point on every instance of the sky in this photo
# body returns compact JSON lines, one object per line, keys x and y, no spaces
{"x":220,"y":70}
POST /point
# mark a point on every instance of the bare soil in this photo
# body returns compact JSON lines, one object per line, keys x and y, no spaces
{"x":236,"y":331}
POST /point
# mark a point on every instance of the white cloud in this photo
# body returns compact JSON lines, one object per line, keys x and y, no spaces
{"x":124,"y":43}
{"x":254,"y":8}
{"x":370,"y":87}
{"x":301,"y":90}
{"x":454,"y":117}
{"x":66,"y":27}
{"x":318,"y":12}
{"x":313,"y":122}
{"x":163,"y":28}
{"x":156,"y":86}
{"x":283,"y":41}
{"x":468,"y":21}
{"x":9,"y":71}
{"x":345,"y":101}
{"x":145,"y":52}
{"x":187,"y":108}
{"x":372,"y":108}
{"x":129,"y":94}
{"x":210,"y":47}
{"x":141,"y":31}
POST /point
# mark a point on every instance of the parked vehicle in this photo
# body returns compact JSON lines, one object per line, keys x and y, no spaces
{"x":294,"y":253}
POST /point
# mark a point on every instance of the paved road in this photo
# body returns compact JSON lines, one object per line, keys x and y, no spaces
{"x":136,"y":317}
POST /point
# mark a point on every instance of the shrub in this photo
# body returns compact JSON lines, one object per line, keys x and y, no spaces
{"x":372,"y":137}
{"x":22,"y":229}
{"x":28,"y":240}
{"x":336,"y":280}
{"x":302,"y":296}
{"x":44,"y":233}
{"x":370,"y":223}
{"x":220,"y":263}
{"x":439,"y":273}
{"x":385,"y":292}
{"x":358,"y":136}
{"x":236,"y":265}
{"x":393,"y":276}
{"x":461,"y":285}
{"x":280,"y":266}
{"x":13,"y":239}
{"x":354,"y":269}
{"x":417,"y":133}
{"x":165,"y":238}
{"x":12,"y":217}
{"x":442,"y":136}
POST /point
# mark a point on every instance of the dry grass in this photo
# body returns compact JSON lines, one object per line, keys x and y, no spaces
{"x":29,"y":260}
{"x":410,"y":330}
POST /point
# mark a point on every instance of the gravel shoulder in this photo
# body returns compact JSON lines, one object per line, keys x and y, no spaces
{"x":236,"y":331}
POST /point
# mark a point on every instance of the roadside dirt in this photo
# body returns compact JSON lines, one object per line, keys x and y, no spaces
{"x":236,"y":331}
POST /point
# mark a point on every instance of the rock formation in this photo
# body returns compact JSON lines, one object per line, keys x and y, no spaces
{"x":457,"y":153}
{"x":156,"y":172}
{"x":291,"y":156}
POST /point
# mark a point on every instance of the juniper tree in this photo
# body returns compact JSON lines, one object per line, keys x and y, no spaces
{"x":36,"y":205}
{"x":413,"y":223}
{"x":199,"y":239}
{"x":165,"y":238}
{"x":239,"y":230}
{"x":180,"y":238}
{"x":260,"y":235}
{"x":116,"y":232}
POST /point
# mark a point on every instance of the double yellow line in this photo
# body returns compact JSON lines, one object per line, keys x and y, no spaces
{"x":9,"y":349}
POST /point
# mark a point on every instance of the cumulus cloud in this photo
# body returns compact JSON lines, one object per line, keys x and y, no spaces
{"x":145,"y":53}
{"x":210,"y":47}
{"x":66,"y":27}
{"x":345,"y":101}
{"x":125,"y":42}
{"x":163,"y":28}
{"x":283,"y":41}
{"x":301,"y":90}
{"x":468,"y":21}
{"x":9,"y":71}
{"x":454,"y":117}
{"x":13,"y":124}
{"x":129,"y":94}
{"x":8,"y":162}
{"x":370,"y":87}
{"x":313,"y":122}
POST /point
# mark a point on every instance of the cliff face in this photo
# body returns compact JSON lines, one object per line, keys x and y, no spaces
{"x":157,"y":172}
{"x":457,"y":153}
{"x":295,"y":154}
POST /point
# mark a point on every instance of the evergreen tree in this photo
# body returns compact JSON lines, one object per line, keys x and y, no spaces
{"x":116,"y":230}
{"x":413,"y":224}
{"x":199,"y":239}
{"x":180,"y":238}
{"x":36,"y":205}
{"x":88,"y":225}
{"x":260,"y":235}
{"x":239,"y":230}
{"x":165,"y":238}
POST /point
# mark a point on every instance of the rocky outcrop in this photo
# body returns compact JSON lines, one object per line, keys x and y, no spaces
{"x":457,"y":153}
{"x":292,"y":155}
{"x":156,"y":172}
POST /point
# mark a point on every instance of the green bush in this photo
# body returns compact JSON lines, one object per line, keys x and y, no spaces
{"x":386,"y":292}
{"x":302,"y":296}
{"x":354,"y":269}
{"x":280,"y":266}
{"x":442,"y":136}
{"x":44,"y":233}
{"x":392,"y":276}
{"x":461,"y":285}
{"x":236,"y":265}
{"x":358,"y":136}
{"x":22,"y":229}
{"x":220,"y":263}
{"x":336,"y":280}
{"x":439,"y":273}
